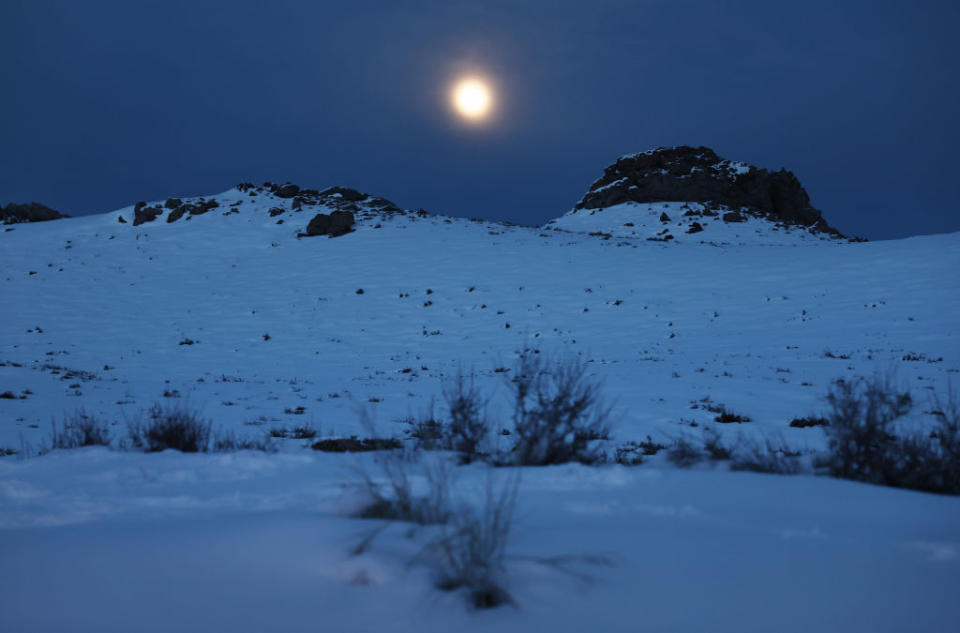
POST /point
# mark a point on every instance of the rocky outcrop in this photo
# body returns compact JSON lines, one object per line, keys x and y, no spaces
{"x":29,"y":212}
{"x":344,"y":207}
{"x":177,"y":213}
{"x":287,"y":191}
{"x":697,"y":174}
{"x":345,"y":193}
{"x":197,"y":208}
{"x":142,"y":215}
{"x":334,"y":224}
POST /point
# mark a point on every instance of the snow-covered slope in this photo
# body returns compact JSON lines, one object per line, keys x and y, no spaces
{"x":102,"y":315}
{"x":261,"y":329}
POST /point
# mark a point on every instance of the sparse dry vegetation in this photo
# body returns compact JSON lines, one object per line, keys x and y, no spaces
{"x":469,"y":553}
{"x":79,"y":430}
{"x":558,"y":411}
{"x":768,"y":456}
{"x":392,"y":495}
{"x":174,"y":426}
{"x":865,"y":444}
{"x":468,"y":428}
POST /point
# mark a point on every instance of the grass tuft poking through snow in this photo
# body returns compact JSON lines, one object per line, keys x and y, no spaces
{"x":79,"y":430}
{"x":769,"y":456}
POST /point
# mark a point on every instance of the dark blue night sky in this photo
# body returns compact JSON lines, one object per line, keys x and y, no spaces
{"x":106,"y":103}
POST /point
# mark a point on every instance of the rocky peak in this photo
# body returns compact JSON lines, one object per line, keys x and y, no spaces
{"x":698,"y":174}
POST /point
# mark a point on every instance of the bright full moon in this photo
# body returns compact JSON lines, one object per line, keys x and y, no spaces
{"x":472,"y":99}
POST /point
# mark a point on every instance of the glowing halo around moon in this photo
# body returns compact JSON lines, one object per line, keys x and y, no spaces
{"x":472,"y":99}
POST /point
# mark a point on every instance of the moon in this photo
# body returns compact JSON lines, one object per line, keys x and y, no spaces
{"x":472,"y":99}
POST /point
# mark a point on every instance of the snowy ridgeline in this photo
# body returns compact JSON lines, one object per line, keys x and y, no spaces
{"x":265,"y":332}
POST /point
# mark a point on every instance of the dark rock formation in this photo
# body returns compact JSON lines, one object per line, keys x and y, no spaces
{"x":697,"y":174}
{"x":29,"y":212}
{"x":350,"y":195}
{"x":695,"y":227}
{"x":197,"y":208}
{"x":335,"y":224}
{"x":177,"y":213}
{"x":383,"y":205}
{"x":287,"y":191}
{"x":172,"y":203}
{"x":146,"y":214}
{"x":202,"y":207}
{"x":335,"y":198}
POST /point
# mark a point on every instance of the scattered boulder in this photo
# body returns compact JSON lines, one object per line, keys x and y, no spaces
{"x":275,"y":211}
{"x":173,"y":203}
{"x":695,"y":227}
{"x":335,"y":224}
{"x":121,"y":220}
{"x":733,"y":216}
{"x":15,"y":213}
{"x":664,"y":217}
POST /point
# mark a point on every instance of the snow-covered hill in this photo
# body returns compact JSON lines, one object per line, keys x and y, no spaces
{"x":233,"y":311}
{"x":230,"y":310}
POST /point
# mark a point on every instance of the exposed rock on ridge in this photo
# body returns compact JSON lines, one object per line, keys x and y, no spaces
{"x":28,"y":212}
{"x":697,"y":174}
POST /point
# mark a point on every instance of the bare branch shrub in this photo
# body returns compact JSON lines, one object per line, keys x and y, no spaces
{"x":864,"y":443}
{"x":393,"y":497}
{"x":931,"y":460}
{"x":469,"y":545}
{"x":861,"y":434}
{"x":468,"y":427}
{"x":947,"y":433}
{"x":429,"y":432}
{"x":558,"y":412}
{"x":469,"y":553}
